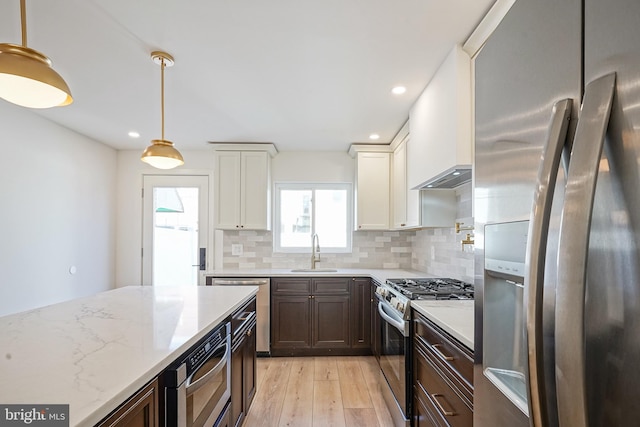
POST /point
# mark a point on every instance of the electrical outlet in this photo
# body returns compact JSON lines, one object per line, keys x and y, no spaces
{"x":236,"y":249}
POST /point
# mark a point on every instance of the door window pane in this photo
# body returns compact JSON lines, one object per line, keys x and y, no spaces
{"x":175,"y":236}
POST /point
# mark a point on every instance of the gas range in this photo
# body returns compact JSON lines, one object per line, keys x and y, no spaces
{"x":399,"y":292}
{"x":420,"y":289}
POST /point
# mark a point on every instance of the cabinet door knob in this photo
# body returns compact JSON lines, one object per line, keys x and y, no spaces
{"x":249,"y":333}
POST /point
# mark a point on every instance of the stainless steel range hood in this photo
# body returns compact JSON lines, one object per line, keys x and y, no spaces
{"x":450,"y":178}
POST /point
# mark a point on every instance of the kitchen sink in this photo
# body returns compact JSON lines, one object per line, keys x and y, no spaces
{"x":314,"y":270}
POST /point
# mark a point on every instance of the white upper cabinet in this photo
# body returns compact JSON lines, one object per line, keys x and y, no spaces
{"x":406,"y":202}
{"x":373,"y":187}
{"x":440,"y":122}
{"x":243,"y":190}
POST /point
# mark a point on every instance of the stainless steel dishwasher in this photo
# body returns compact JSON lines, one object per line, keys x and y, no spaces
{"x":263,"y":310}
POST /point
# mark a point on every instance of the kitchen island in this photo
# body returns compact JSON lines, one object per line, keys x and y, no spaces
{"x":93,"y":353}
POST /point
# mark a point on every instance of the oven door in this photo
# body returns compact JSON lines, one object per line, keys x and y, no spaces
{"x":394,"y":338}
{"x":200,"y":396}
{"x":207,"y":389}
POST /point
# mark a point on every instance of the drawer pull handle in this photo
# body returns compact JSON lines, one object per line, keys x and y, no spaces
{"x":436,"y":348}
{"x":435,"y":397}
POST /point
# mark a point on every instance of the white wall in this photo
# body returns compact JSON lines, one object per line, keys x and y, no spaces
{"x":57,"y":210}
{"x":129,"y":213}
{"x":309,"y":166}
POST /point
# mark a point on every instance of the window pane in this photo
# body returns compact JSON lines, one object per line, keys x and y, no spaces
{"x":331,"y":218}
{"x":295,"y":218}
{"x":175,"y":236}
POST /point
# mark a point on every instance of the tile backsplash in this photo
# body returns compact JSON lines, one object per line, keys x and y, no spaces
{"x":439,"y":251}
{"x":435,"y":251}
{"x":371,"y":249}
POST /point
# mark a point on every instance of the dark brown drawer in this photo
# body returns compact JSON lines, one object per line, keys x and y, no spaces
{"x":448,"y":403}
{"x":424,"y":414}
{"x":291,"y":286}
{"x":458,"y":360}
{"x":242,"y":318}
{"x":331,"y":285}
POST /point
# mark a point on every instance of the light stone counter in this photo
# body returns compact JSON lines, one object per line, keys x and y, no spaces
{"x":379,"y":274}
{"x":455,"y":317}
{"x":93,"y":353}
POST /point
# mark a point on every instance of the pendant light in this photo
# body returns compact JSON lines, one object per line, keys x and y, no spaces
{"x":26,"y":76}
{"x":161,"y":153}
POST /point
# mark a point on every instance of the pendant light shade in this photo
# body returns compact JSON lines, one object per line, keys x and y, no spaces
{"x":161,"y":153}
{"x":26,"y":76}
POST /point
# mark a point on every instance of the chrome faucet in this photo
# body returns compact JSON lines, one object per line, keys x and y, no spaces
{"x":315,"y":250}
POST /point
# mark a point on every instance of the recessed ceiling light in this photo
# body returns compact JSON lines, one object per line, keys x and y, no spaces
{"x":398,"y":90}
{"x":456,"y":173}
{"x":134,"y":134}
{"x":374,"y":136}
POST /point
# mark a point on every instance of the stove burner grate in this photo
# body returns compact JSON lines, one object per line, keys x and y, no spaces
{"x":436,"y":288}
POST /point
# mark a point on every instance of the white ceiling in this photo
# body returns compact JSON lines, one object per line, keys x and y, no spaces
{"x":302,"y":74}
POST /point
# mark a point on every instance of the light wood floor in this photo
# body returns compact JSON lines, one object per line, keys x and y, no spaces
{"x":318,"y":391}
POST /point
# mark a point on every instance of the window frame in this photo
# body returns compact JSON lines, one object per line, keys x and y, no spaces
{"x":313,"y":186}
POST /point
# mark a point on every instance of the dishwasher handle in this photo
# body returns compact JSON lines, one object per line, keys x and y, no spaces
{"x":240,"y":282}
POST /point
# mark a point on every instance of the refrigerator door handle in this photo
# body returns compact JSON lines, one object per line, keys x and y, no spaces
{"x":535,"y":258}
{"x":573,"y":251}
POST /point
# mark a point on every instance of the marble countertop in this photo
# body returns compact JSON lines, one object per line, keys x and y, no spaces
{"x":455,"y":317}
{"x":93,"y":353}
{"x":379,"y":274}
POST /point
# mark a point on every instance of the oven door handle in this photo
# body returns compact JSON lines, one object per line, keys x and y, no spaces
{"x":193,"y":387}
{"x":398,"y":324}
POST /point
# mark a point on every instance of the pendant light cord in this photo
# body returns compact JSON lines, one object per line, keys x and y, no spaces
{"x":161,"y":92}
{"x":23,"y":21}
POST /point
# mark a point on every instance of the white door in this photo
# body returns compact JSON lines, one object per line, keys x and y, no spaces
{"x":174,"y":228}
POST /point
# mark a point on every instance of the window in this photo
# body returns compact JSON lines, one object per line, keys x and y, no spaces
{"x":305,"y":209}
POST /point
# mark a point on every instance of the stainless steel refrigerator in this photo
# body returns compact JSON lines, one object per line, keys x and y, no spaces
{"x":557,"y":210}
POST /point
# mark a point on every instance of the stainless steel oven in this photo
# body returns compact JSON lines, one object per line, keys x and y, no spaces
{"x":395,"y":351}
{"x":394,"y":332}
{"x":198,"y":386}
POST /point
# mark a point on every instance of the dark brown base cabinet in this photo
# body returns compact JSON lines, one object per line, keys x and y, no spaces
{"x":141,"y":410}
{"x":361,"y":313}
{"x":243,"y":363}
{"x":443,"y":377}
{"x":319,"y":316}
